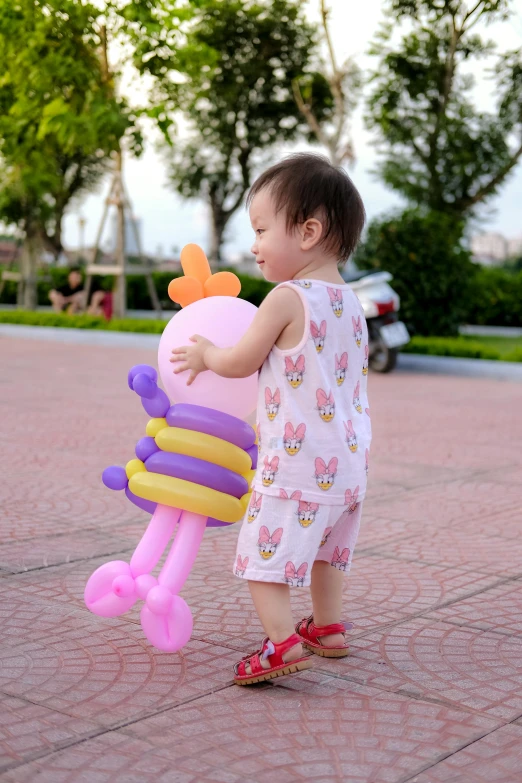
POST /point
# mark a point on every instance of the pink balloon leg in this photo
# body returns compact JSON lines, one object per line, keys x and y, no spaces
{"x":183,"y":552}
{"x":166,"y":619}
{"x":154,"y":540}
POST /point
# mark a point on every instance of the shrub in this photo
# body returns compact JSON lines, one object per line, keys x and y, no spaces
{"x":450,"y":346}
{"x":495,"y":297}
{"x":252,"y":289}
{"x":143,"y":325}
{"x":431,"y":269}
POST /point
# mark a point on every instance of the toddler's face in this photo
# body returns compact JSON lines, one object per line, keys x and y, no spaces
{"x":278,"y":253}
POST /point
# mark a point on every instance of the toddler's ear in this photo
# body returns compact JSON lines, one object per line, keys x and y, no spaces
{"x":311,"y":232}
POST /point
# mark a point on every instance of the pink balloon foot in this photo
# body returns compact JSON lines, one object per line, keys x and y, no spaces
{"x":166,"y":620}
{"x":110,"y":590}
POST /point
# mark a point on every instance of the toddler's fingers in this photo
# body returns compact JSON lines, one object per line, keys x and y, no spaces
{"x":181,"y":349}
{"x":180,"y":368}
{"x":192,"y":377}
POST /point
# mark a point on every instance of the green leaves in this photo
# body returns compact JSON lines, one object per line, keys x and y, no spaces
{"x":431,"y":269}
{"x":229,"y":67}
{"x":59,"y":117}
{"x":437,"y":148}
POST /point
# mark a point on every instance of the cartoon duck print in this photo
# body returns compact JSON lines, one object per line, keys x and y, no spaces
{"x":294,"y":496}
{"x":295,"y":576}
{"x":351,"y":437}
{"x":302,"y":283}
{"x":356,"y":401}
{"x":241,"y":565}
{"x":254,"y":507}
{"x":336,"y":300}
{"x":341,"y":366}
{"x":325,"y":405}
{"x":268,"y":543}
{"x":350,"y":498}
{"x":366,"y":359}
{"x":293,"y":439}
{"x":269,"y":473}
{"x":318,"y":335}
{"x":357,"y":330}
{"x":272,"y":403}
{"x":325,"y":474}
{"x":340,"y":559}
{"x":326,"y":536}
{"x":306,"y":513}
{"x":294,"y":371}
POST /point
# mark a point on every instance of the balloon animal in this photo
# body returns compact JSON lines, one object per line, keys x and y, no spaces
{"x":195,"y":465}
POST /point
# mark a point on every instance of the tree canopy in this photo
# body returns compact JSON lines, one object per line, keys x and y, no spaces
{"x":437,"y":147}
{"x":59,"y":116}
{"x":229,"y":67}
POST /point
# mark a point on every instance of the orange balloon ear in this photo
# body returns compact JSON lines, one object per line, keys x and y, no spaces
{"x":194,"y":263}
{"x":185,"y":290}
{"x":222,"y":284}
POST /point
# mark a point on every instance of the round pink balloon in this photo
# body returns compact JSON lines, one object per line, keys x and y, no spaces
{"x":223,"y":320}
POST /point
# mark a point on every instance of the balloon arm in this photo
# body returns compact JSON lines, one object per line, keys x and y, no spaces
{"x":154,"y":400}
{"x":183,"y":552}
{"x":154,"y":540}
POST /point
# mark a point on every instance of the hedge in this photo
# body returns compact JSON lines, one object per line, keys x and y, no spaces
{"x":460,"y":347}
{"x":253,"y":289}
{"x":435,"y":346}
{"x":495,"y":297}
{"x":143,"y":325}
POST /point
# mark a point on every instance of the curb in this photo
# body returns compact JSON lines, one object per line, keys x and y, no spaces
{"x":407,"y":362}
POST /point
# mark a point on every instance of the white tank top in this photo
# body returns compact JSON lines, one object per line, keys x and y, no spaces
{"x":313,"y":417}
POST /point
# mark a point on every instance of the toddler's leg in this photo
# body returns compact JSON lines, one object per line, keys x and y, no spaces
{"x":272,"y":604}
{"x":327,"y":589}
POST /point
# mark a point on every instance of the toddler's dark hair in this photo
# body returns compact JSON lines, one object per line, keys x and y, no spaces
{"x":305,"y":186}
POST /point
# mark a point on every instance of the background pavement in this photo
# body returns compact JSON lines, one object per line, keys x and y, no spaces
{"x":433,"y":690}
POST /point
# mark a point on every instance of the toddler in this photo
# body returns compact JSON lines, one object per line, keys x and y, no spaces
{"x":310,"y":344}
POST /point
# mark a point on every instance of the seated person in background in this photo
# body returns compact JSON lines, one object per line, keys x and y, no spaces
{"x":71,"y":296}
{"x":97,"y":298}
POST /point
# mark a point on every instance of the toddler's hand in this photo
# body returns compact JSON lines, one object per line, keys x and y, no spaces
{"x":191,"y":357}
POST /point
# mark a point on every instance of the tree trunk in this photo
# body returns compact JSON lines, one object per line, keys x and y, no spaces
{"x":27,"y":290}
{"x":219,"y":222}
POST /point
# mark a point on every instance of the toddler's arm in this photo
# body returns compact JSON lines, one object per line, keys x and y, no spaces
{"x":281,"y":308}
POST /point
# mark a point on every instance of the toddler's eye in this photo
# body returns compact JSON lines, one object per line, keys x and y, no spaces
{"x":259,"y":231}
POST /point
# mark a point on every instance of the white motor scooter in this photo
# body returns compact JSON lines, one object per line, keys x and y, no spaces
{"x":381,"y":306}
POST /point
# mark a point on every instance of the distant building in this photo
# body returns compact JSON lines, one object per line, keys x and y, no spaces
{"x":492,"y":248}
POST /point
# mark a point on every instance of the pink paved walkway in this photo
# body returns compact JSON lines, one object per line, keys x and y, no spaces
{"x":433,"y":690}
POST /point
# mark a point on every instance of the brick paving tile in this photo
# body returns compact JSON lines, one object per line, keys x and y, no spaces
{"x":436,"y":665}
{"x":465,"y":666}
{"x":28,"y":729}
{"x":496,"y":758}
{"x":499,"y":609}
{"x":454,"y":547}
{"x":318,"y":728}
{"x":67,"y":660}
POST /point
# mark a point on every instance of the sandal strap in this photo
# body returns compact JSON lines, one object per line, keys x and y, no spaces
{"x":309,"y":630}
{"x":269,"y":651}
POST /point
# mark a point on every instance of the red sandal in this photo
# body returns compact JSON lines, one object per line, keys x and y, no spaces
{"x":311,"y":634}
{"x":274,"y":654}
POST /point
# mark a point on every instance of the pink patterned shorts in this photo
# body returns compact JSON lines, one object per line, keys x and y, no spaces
{"x":280,"y":539}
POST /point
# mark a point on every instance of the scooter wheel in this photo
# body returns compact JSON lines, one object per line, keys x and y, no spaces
{"x":382,"y":358}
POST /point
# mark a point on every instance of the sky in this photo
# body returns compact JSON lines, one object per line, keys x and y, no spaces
{"x":168,"y":222}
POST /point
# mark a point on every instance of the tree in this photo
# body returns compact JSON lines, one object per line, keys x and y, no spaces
{"x":431,"y":269}
{"x":229,"y":66}
{"x":340,"y":86}
{"x":437,"y":148}
{"x":59,"y":119}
